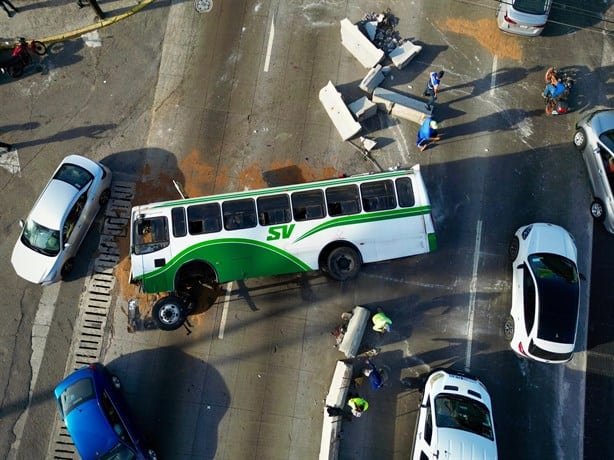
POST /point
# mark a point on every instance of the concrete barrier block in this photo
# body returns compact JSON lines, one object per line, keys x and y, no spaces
{"x":363,"y":108}
{"x":338,"y":112}
{"x":404,"y":53}
{"x":406,"y":107}
{"x":331,"y":426}
{"x":353,"y":335}
{"x":373,"y":79}
{"x":359,"y":45}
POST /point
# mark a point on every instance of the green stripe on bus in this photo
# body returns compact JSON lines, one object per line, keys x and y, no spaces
{"x":364,"y":218}
{"x":232,"y":259}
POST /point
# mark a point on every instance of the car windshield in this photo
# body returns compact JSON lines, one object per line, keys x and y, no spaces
{"x":76,"y":394}
{"x":460,"y":412}
{"x":532,"y":6}
{"x":74,"y":175}
{"x":41,"y":239}
{"x":558,"y":291}
{"x":119,"y":452}
{"x":607,"y":139}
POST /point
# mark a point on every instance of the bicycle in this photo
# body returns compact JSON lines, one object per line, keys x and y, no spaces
{"x":21,"y":57}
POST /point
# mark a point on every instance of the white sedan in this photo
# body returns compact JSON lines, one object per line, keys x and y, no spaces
{"x":545,"y":293}
{"x":60,"y":219}
{"x":455,"y":419}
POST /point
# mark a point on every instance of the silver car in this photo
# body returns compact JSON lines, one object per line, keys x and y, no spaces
{"x":523,"y":17}
{"x":60,"y":219}
{"x":594,"y":137}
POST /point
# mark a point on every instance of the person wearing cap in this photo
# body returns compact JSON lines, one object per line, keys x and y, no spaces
{"x":381,"y":323}
{"x":374,"y":375}
{"x":427,"y":133}
{"x":432,"y":88}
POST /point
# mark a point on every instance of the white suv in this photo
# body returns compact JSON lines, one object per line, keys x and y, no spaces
{"x":455,"y":419}
{"x":60,"y":219}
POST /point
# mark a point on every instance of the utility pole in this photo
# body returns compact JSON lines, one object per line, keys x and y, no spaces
{"x":94,"y":5}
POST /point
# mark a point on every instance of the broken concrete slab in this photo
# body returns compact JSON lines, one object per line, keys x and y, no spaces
{"x":373,"y":79}
{"x":404,"y":53}
{"x":401,"y":106}
{"x":359,"y":45}
{"x":338,"y":112}
{"x":363,"y":108}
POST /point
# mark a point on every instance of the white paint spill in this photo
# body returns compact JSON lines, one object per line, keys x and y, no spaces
{"x":92,"y":39}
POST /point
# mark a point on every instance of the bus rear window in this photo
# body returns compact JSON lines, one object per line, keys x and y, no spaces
{"x":274,"y":210}
{"x":308,"y":205}
{"x":405,"y":192}
{"x":343,"y":200}
{"x":239,"y":214}
{"x":204,"y":218}
{"x":377,"y":196}
{"x":150,"y":235}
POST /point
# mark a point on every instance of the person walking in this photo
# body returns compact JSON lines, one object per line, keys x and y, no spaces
{"x":358,"y":406}
{"x":9,"y":13}
{"x":427,"y":134}
{"x":381,"y":323}
{"x":432,"y":88}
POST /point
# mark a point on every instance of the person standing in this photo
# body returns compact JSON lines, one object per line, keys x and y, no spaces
{"x":9,"y":13}
{"x":432,"y":88}
{"x":374,"y":375}
{"x":427,"y":134}
{"x":358,"y":406}
{"x":381,"y":323}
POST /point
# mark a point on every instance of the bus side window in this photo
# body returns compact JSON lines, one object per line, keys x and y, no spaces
{"x":274,"y":210}
{"x":308,"y":205}
{"x":151,"y":235}
{"x":204,"y":218}
{"x":405,"y":192}
{"x":343,"y":200}
{"x":239,"y":214}
{"x":180,"y":227}
{"x":377,"y":196}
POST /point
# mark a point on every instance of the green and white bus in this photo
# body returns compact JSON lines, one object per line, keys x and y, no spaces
{"x":332,"y":225}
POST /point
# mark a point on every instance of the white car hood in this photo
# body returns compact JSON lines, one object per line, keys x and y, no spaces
{"x":456,"y":444}
{"x":551,"y":239}
{"x":31,"y":265}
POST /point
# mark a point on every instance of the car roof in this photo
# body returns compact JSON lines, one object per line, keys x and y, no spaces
{"x":90,"y":430}
{"x":53,"y":204}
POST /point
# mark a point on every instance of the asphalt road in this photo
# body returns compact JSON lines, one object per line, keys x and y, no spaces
{"x":214,"y":118}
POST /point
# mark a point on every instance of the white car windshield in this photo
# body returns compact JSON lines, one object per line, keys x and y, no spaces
{"x":41,"y":239}
{"x":453,"y":411}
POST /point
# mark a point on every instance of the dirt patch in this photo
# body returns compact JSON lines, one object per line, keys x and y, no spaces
{"x":488,"y":35}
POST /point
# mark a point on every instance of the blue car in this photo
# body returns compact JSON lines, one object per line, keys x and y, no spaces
{"x":96,"y":416}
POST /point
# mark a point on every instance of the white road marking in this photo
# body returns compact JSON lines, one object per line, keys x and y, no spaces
{"x":472,"y":293}
{"x":269,"y":47}
{"x":40,"y":332}
{"x":225,"y":310}
{"x":10,"y":161}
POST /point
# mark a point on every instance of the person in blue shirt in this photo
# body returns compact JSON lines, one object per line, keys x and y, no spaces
{"x":374,"y":376}
{"x":553,"y":90}
{"x":432,"y":87}
{"x":427,"y":133}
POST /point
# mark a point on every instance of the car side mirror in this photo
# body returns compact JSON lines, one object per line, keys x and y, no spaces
{"x":520,"y":267}
{"x":21,"y":223}
{"x":67,"y":245}
{"x":582,"y":277}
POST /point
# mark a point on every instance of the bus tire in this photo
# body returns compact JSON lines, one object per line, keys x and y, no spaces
{"x":169,"y":312}
{"x":343,"y":263}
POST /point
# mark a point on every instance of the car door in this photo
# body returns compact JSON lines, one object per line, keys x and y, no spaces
{"x":606,"y":175}
{"x":424,"y":432}
{"x":75,"y":226}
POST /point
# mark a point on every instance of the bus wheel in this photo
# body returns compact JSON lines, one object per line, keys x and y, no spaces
{"x":343,"y":263}
{"x":169,"y":312}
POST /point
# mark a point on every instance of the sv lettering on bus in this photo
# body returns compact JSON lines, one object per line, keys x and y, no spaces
{"x":280,"y":232}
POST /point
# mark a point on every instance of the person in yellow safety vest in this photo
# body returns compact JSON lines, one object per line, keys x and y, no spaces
{"x":358,"y":406}
{"x":381,"y":323}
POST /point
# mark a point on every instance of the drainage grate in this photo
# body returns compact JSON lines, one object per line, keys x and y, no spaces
{"x":94,"y":305}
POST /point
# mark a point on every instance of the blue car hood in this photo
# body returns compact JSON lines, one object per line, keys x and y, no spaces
{"x":90,"y":430}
